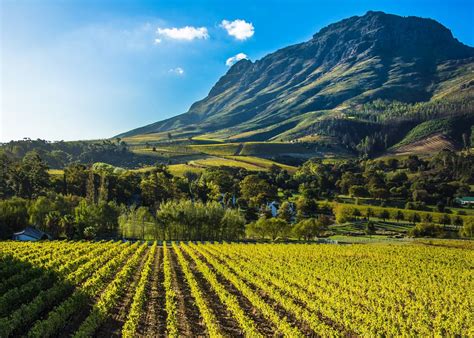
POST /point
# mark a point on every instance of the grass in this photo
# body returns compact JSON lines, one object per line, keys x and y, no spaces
{"x":254,"y":148}
{"x":218,"y":161}
{"x":263,"y":163}
{"x":224,"y":149}
{"x":181,"y":169}
{"x":206,"y":138}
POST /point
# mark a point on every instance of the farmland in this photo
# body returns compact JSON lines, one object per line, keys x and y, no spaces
{"x":147,"y":289}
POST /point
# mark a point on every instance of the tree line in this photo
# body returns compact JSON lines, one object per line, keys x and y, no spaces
{"x":99,"y":201}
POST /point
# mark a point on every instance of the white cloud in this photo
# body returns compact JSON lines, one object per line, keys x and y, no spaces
{"x":187,"y":33}
{"x":230,"y":61}
{"x":177,"y":71}
{"x":157,"y":41}
{"x":240,"y":29}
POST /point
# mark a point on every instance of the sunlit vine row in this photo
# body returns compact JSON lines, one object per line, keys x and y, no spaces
{"x":137,"y":308}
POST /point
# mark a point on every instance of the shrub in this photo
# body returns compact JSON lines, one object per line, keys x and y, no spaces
{"x":427,"y":230}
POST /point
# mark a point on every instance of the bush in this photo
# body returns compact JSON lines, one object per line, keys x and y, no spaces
{"x":468,"y":228}
{"x":427,"y":230}
{"x":268,"y":227}
{"x":309,"y":228}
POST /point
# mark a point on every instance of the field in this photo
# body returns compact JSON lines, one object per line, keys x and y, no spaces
{"x":113,"y":288}
{"x":246,"y":162}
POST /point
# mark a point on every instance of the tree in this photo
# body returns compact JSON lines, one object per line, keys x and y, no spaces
{"x":68,"y":226}
{"x":75,"y":178}
{"x":103,"y":188}
{"x":379,"y":193}
{"x":415,"y":217}
{"x":285,"y":212}
{"x":38,"y":210}
{"x":309,"y":228}
{"x":90,"y":188}
{"x":233,"y":225}
{"x":276,"y":227}
{"x":187,"y":220}
{"x":358,"y":191}
{"x":30,"y":177}
{"x":143,"y":217}
{"x":53,"y":223}
{"x":101,"y":219}
{"x":428,"y":218}
{"x":399,"y":216}
{"x":427,"y":230}
{"x":271,"y":227}
{"x":445,"y":219}
{"x":256,"y":230}
{"x":369,"y":213}
{"x":458,"y":221}
{"x":468,"y":228}
{"x":158,"y":187}
{"x":305,"y":208}
{"x":420,"y":195}
{"x":256,"y":190}
{"x":13,"y":216}
{"x":343,"y":213}
{"x":465,"y":140}
{"x":370,"y":228}
{"x":384,"y":214}
{"x":356,"y":213}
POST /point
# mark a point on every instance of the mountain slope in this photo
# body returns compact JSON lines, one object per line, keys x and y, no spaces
{"x":296,"y":90}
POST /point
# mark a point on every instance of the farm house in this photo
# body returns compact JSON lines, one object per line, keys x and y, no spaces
{"x":30,"y":234}
{"x":465,"y":201}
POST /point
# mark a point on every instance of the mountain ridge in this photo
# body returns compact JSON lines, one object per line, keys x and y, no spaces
{"x":346,"y":64}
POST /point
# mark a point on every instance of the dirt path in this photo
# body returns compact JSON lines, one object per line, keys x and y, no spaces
{"x":113,"y":325}
{"x":154,"y":321}
{"x":190,"y":321}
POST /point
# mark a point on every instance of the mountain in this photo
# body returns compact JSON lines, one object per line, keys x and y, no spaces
{"x":355,"y":78}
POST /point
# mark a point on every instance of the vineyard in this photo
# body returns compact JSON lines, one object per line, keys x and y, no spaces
{"x":84,"y":289}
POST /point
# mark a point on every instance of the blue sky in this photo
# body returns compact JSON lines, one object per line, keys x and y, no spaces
{"x":92,"y":69}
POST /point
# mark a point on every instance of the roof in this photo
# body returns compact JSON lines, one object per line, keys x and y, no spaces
{"x":467,"y":199}
{"x":32,"y":232}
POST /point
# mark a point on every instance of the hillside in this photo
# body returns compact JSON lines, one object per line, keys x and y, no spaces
{"x":323,"y":86}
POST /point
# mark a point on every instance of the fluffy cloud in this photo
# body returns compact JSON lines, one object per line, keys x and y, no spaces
{"x":177,"y":71}
{"x":187,"y":33}
{"x":240,"y":29}
{"x":230,"y":61}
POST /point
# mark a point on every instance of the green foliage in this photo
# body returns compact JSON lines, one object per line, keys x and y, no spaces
{"x":13,"y":216}
{"x":268,"y":227}
{"x":256,"y":190}
{"x":467,"y":229}
{"x":427,"y":230}
{"x":309,"y":228}
{"x":183,"y":220}
{"x":60,"y":154}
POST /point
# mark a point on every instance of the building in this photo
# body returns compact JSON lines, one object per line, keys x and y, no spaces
{"x":465,"y":201}
{"x":30,"y":234}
